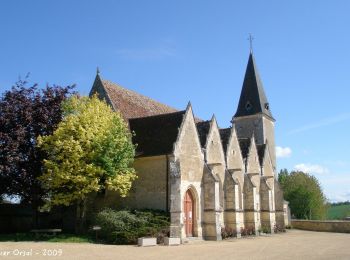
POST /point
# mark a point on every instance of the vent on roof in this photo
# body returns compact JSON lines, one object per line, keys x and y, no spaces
{"x":267,"y":106}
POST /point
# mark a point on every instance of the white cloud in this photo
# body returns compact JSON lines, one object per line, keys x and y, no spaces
{"x":283,"y":152}
{"x":323,"y":122}
{"x":311,"y":168}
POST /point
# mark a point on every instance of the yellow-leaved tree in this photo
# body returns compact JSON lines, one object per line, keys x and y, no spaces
{"x":90,"y":150}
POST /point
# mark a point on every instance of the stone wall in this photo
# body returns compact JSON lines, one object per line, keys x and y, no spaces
{"x":340,"y":226}
{"x":263,"y":129}
{"x":148,"y":191}
{"x":279,"y":204}
{"x":269,"y":135}
{"x":186,"y":172}
{"x":246,"y":126}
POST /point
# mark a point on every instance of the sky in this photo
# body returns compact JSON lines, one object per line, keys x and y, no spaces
{"x":189,"y":50}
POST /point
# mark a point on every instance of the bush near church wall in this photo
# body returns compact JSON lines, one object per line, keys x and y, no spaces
{"x":125,"y":226}
{"x":340,"y":226}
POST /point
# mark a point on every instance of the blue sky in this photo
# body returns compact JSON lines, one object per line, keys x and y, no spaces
{"x":176,"y":51}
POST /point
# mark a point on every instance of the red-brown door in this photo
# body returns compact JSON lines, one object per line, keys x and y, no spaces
{"x":188,"y":210}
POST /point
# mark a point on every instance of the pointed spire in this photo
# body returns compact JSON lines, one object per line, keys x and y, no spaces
{"x":189,"y":105}
{"x":98,"y":84}
{"x":214,"y":121}
{"x":213,"y":118}
{"x":253,"y":99}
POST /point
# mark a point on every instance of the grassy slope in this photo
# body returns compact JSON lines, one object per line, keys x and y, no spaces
{"x":338,"y":211}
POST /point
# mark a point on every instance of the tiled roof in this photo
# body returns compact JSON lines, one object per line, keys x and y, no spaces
{"x":244,"y":144}
{"x":156,"y":135}
{"x":132,"y":104}
{"x":129,"y":103}
{"x":203,"y":130}
{"x":225,"y":135}
{"x":261,"y":152}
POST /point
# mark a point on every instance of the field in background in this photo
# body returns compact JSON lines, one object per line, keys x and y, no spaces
{"x":338,"y":211}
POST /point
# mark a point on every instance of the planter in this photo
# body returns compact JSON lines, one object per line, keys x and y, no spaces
{"x":172,"y":241}
{"x":147,"y":241}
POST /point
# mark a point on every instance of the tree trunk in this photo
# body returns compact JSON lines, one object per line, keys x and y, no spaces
{"x":310,"y":214}
{"x":80,"y":217}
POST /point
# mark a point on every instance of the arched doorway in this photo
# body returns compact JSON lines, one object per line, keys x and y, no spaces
{"x":189,"y":213}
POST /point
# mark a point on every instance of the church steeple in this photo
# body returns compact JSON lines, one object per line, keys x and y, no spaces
{"x":253,"y":116}
{"x":253,"y":99}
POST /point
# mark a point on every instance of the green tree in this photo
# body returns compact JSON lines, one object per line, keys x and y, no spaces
{"x":304,"y":193}
{"x":283,"y":175}
{"x":91,"y":150}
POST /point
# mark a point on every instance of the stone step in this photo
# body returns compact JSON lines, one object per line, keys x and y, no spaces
{"x":192,"y":240}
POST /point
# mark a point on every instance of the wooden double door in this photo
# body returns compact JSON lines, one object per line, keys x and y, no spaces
{"x":188,"y":213}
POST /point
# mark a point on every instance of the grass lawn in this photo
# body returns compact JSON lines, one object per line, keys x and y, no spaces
{"x":64,"y":238}
{"x":338,"y":212}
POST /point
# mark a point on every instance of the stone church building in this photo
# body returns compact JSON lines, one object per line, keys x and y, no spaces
{"x":205,"y":176}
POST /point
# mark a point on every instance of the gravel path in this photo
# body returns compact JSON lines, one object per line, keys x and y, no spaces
{"x":295,"y":244}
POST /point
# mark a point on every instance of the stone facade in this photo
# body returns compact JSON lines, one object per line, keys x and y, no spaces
{"x":226,"y":175}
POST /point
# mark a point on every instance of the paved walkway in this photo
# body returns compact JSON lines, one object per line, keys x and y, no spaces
{"x":295,"y":244}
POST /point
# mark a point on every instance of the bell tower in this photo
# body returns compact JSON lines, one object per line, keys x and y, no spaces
{"x":253,"y":114}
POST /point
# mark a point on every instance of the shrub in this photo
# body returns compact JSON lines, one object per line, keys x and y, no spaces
{"x":278,"y":228}
{"x":265,"y":229}
{"x":224,"y":234}
{"x":124,"y":226}
{"x":244,"y":232}
{"x":248,"y":231}
{"x":227,"y":232}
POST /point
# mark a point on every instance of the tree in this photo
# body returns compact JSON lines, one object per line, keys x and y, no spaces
{"x":283,"y":175}
{"x":91,"y":150}
{"x":304,"y":193}
{"x":25,"y":114}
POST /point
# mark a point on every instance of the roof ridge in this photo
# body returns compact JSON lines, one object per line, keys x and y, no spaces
{"x":159,"y":115}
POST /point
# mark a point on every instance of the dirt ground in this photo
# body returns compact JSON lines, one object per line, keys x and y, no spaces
{"x":295,"y":244}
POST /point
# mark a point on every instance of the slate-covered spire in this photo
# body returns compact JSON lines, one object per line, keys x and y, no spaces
{"x":253,"y":99}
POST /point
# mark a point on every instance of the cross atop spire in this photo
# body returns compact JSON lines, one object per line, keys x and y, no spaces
{"x":251,"y":38}
{"x":98,"y":71}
